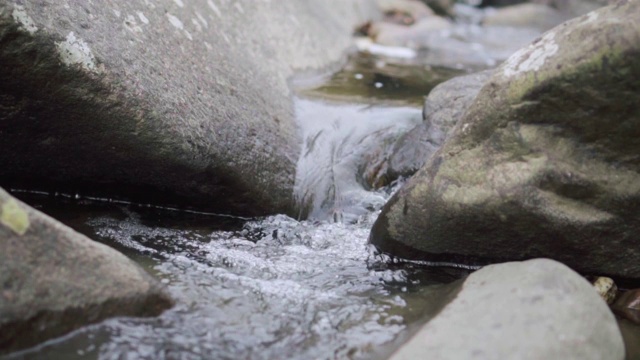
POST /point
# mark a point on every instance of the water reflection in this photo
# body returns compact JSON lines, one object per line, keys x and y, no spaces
{"x":370,"y":79}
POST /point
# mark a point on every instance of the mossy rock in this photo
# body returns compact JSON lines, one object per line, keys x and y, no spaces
{"x":54,"y":280}
{"x":543,"y":164}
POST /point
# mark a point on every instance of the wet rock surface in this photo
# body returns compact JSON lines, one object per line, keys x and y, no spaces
{"x":627,"y":305}
{"x":338,"y":139}
{"x":544,"y":162}
{"x":538,"y":309}
{"x":444,"y":106}
{"x":162,"y":101}
{"x":55,"y":280}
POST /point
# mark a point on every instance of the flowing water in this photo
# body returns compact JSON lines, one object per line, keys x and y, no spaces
{"x":274,"y":288}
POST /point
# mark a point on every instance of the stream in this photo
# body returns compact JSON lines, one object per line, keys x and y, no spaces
{"x":275,"y":287}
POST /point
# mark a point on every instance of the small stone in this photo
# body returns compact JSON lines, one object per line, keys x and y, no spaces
{"x":606,"y":288}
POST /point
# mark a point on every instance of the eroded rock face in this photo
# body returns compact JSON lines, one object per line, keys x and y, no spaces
{"x":543,"y":164}
{"x":55,"y":280}
{"x":165,"y":101}
{"x":537,"y":309}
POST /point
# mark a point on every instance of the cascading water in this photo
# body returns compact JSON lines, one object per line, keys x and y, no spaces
{"x":272,"y":288}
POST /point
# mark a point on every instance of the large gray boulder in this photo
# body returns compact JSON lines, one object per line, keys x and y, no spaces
{"x":54,"y":280}
{"x":168,"y":101}
{"x":543,"y":164}
{"x":538,"y":309}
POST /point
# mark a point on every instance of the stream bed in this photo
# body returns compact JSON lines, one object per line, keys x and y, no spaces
{"x":276,"y":287}
{"x":263,"y":289}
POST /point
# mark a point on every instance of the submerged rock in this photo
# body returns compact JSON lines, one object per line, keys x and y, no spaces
{"x":55,"y":280}
{"x":173,"y":102}
{"x":544,"y":163}
{"x":538,"y":309}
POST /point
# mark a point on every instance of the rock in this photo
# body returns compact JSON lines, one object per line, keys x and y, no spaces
{"x":443,"y":107}
{"x":404,"y":12}
{"x":497,"y":3}
{"x":55,"y":280}
{"x":544,"y":163}
{"x":467,"y":14}
{"x":500,"y":42}
{"x":537,"y":309}
{"x":628,"y":305}
{"x":162,"y":101}
{"x":606,"y":288}
{"x":413,"y":36}
{"x":536,"y":16}
{"x":574,"y":8}
{"x":441,"y":7}
{"x":446,"y":104}
{"x":452,"y":45}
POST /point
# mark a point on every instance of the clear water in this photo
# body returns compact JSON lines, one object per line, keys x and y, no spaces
{"x":272,"y":288}
{"x":277,"y":288}
{"x":337,"y":140}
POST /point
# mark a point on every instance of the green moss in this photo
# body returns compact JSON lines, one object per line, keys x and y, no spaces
{"x":14,"y":217}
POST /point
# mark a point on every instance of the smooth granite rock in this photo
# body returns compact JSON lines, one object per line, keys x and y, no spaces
{"x":169,"y":102}
{"x":537,"y":309}
{"x":54,"y":280}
